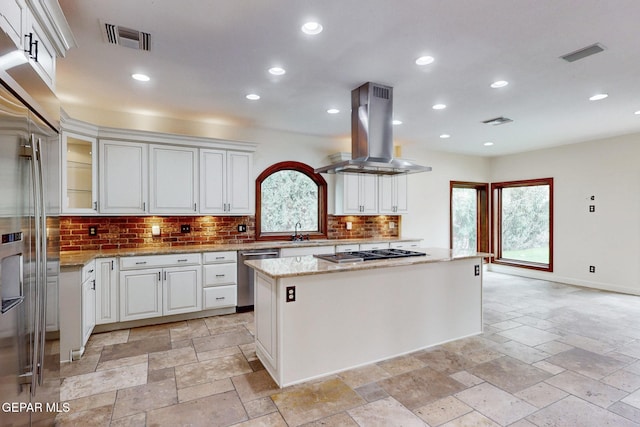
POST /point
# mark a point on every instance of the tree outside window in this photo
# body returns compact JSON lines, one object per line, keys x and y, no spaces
{"x":290,"y":197}
{"x":523,"y":230}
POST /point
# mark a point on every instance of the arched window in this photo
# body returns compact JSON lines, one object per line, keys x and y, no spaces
{"x":290,"y":197}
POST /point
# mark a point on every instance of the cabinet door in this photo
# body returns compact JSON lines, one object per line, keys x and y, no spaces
{"x":42,"y":56}
{"x":351,"y":193}
{"x":123,"y":177}
{"x":79,"y":172}
{"x":181,"y":290}
{"x":240,"y":188}
{"x":213,"y":181}
{"x":140,"y":294}
{"x":369,"y":194}
{"x":51,"y":313}
{"x":393,"y":194}
{"x":106,"y":291}
{"x":13,"y":16}
{"x":88,"y":308}
{"x":174,"y":183}
{"x":402,"y":193}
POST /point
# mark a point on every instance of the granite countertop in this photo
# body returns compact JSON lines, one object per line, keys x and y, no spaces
{"x":77,"y":259}
{"x":309,"y":265}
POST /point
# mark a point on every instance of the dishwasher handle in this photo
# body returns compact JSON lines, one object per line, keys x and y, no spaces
{"x":250,"y":254}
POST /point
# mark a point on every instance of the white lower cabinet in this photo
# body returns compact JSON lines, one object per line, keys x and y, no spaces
{"x":159,"y":291}
{"x":219,"y":296}
{"x":106,"y":291}
{"x":220,"y":280}
{"x":88,"y":308}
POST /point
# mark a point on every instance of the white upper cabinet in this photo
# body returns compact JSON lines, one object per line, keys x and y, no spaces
{"x":393,"y":194}
{"x":79,"y":174}
{"x":13,"y":20}
{"x":123,"y":177}
{"x":40,"y":51}
{"x":356,"y":194}
{"x":225,"y":182}
{"x":174,"y":179}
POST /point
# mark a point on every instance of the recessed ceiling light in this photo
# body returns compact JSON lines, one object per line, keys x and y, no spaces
{"x":424,"y":60}
{"x":312,"y":28}
{"x":396,"y":122}
{"x":140,"y":77}
{"x":333,"y":111}
{"x":439,"y":107}
{"x":598,"y":97}
{"x":488,"y":144}
{"x":277,"y":71}
{"x":253,"y":97}
{"x":499,"y":83}
{"x":445,"y":136}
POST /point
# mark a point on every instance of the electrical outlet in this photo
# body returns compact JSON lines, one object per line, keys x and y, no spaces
{"x":476,"y":270}
{"x":291,"y":293}
{"x":242,"y":228}
{"x":93,"y":230}
{"x":185,"y":228}
{"x":592,"y":208}
{"x":592,"y":269}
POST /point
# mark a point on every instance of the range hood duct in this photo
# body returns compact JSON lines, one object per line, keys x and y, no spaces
{"x":372,"y":135}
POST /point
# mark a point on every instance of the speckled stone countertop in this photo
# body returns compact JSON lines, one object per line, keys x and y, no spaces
{"x":77,"y":259}
{"x":309,"y":265}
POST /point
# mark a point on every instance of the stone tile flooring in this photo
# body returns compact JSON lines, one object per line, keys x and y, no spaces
{"x":550,"y":355}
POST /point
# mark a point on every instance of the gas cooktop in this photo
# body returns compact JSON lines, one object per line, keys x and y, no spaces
{"x":372,"y":255}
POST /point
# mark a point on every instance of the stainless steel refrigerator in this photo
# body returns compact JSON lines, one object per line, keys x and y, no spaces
{"x":29,"y":253}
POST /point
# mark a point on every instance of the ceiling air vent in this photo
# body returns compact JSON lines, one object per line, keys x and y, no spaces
{"x":583,"y":53}
{"x":497,"y":121}
{"x":127,"y":37}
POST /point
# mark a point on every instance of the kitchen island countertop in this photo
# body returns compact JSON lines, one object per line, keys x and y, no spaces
{"x":310,"y":265}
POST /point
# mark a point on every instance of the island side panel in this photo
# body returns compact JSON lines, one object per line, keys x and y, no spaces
{"x":343,"y":320}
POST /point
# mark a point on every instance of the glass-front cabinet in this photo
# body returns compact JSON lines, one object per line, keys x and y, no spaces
{"x":79,"y":174}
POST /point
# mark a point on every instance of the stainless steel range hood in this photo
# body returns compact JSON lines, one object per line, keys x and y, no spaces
{"x":372,"y":135}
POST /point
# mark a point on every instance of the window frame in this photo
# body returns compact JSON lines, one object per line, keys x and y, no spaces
{"x":496,"y":221}
{"x":322,"y":201}
{"x":482,"y":214}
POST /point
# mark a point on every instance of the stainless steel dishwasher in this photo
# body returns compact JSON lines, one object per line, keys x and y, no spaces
{"x":245,"y":275}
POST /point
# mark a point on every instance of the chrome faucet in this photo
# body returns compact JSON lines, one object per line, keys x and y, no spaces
{"x":295,"y":232}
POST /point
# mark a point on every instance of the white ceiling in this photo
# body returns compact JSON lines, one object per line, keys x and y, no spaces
{"x":207,"y":55}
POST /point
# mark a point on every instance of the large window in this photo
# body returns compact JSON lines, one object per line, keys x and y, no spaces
{"x":290,"y":197}
{"x":523,"y":223}
{"x":469,"y":220}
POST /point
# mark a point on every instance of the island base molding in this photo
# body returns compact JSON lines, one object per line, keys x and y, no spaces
{"x":340,"y":321}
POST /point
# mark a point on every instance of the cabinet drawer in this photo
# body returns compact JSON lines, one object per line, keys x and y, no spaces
{"x":219,"y":296}
{"x":215,"y":275}
{"x":219,"y":257}
{"x":410,"y":245}
{"x":373,"y":246}
{"x":347,"y":248}
{"x":89,"y":271}
{"x":151,"y":261}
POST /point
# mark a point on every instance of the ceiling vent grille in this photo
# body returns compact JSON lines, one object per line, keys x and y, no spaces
{"x":583,"y":53}
{"x":497,"y":121}
{"x":127,"y":37}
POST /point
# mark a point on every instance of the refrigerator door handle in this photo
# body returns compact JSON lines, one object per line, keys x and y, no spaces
{"x":43,"y":261}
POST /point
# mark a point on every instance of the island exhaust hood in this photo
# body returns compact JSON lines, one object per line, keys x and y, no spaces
{"x":372,"y":135}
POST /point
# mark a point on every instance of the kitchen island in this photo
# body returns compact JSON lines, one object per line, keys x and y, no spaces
{"x":314,"y":317}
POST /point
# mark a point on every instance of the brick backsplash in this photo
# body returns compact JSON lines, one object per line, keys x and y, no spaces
{"x":127,"y":232}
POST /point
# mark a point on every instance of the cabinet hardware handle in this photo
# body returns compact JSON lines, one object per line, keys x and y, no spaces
{"x":144,"y":206}
{"x":91,"y":271}
{"x":95,"y":206}
{"x":183,"y":260}
{"x":219,"y":298}
{"x":165,"y":275}
{"x":141,"y":262}
{"x":94,"y":285}
{"x":219,"y":257}
{"x":159,"y":277}
{"x":220,"y":275}
{"x":195,"y":207}
{"x":111,"y":264}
